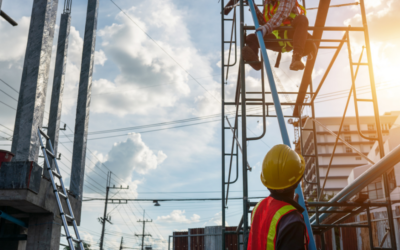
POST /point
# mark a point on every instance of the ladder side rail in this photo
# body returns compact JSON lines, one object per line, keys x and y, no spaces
{"x":234,"y":132}
{"x":70,"y":210}
{"x":302,"y":147}
{"x":264,"y":119}
{"x":55,"y":190}
{"x":340,"y":128}
{"x":281,"y":120}
{"x":233,"y":31}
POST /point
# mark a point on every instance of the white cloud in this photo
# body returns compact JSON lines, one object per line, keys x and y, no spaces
{"x":127,"y":157}
{"x":216,"y":220}
{"x":13,"y":40}
{"x":150,"y":77}
{"x":178,"y":216}
{"x":99,"y":58}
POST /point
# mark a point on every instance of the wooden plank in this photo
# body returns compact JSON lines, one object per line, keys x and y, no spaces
{"x":307,"y":75}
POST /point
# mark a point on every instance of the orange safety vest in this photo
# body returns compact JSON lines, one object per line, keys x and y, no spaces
{"x":264,"y":222}
{"x":269,"y":12}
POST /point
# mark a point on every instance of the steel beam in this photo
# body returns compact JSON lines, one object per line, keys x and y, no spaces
{"x":35,"y":74}
{"x":58,"y":84}
{"x":83,"y":105}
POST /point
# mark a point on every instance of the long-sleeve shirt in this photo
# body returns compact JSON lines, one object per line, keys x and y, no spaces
{"x":283,"y":12}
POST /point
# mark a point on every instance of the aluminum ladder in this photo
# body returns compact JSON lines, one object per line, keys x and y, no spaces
{"x":57,"y":193}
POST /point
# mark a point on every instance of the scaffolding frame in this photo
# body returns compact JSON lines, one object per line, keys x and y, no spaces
{"x":306,"y":88}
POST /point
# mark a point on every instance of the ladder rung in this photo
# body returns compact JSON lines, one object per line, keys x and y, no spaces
{"x":69,"y":217}
{"x":73,"y":239}
{"x":365,"y":64}
{"x":365,"y":100}
{"x":229,"y":41}
{"x":44,"y":134}
{"x":309,"y":155}
{"x":50,"y":153}
{"x":228,"y":19}
{"x":56,"y":174}
{"x":63,"y":195}
{"x":307,"y":129}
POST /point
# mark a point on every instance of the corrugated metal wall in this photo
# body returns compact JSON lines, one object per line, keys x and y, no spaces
{"x":196,"y":242}
{"x":180,"y":243}
{"x":231,"y":240}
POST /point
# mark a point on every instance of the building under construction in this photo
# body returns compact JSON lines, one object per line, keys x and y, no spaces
{"x":35,"y":205}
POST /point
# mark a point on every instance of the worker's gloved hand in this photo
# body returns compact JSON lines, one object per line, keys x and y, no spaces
{"x":263,"y":29}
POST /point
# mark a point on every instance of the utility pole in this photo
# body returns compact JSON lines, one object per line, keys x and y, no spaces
{"x":144,"y":225}
{"x":107,"y":218}
{"x":122,"y":242}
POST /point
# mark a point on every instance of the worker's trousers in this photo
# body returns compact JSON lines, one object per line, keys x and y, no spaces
{"x":299,"y":35}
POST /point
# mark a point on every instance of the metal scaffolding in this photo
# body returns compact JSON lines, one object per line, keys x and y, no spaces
{"x":339,"y":207}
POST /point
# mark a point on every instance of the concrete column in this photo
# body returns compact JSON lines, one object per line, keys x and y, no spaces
{"x":58,"y":84}
{"x":35,"y":74}
{"x":44,"y":232}
{"x":82,"y":109}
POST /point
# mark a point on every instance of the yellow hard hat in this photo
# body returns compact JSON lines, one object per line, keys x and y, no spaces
{"x":282,"y":167}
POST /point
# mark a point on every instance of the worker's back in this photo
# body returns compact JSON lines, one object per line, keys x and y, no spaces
{"x":277,"y":223}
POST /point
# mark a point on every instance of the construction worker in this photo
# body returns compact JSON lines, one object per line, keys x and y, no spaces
{"x":277,"y":222}
{"x":281,"y":13}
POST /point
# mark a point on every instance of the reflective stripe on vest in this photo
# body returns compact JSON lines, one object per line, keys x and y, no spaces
{"x":269,"y":12}
{"x":274,"y":223}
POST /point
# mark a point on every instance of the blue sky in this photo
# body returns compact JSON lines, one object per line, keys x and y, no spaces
{"x":140,"y":81}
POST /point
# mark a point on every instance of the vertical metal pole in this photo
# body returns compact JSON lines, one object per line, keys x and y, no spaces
{"x":371,"y":239}
{"x":378,"y":123}
{"x":105,"y":211}
{"x":83,"y":105}
{"x":223,"y":121}
{"x":122,"y":241}
{"x":244,"y":134}
{"x":143,"y":230}
{"x":53,"y":127}
{"x":35,"y":75}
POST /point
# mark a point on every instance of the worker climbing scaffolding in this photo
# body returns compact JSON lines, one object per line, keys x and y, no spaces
{"x":281,"y":13}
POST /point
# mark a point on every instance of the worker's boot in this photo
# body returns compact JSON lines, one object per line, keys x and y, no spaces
{"x":250,"y":56}
{"x":296,"y":64}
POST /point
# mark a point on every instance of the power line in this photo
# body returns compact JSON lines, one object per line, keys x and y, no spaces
{"x":9,"y":86}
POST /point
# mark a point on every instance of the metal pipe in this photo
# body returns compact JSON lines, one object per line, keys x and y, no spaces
{"x":13,"y":219}
{"x":222,"y":122}
{"x":281,"y":120}
{"x":364,"y":179}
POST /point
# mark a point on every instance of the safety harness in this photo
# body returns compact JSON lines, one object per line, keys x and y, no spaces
{"x":269,"y":11}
